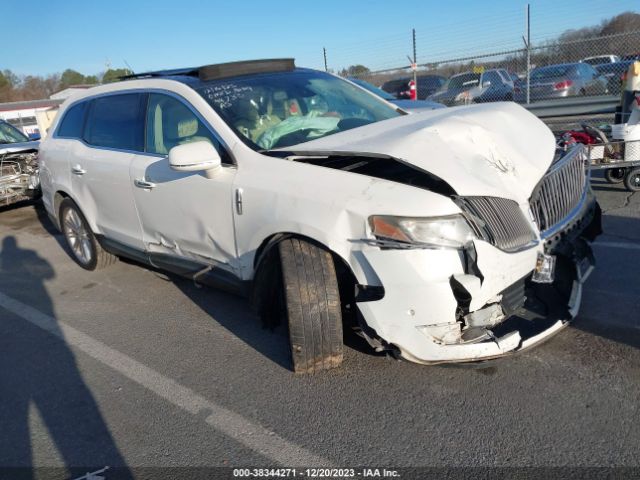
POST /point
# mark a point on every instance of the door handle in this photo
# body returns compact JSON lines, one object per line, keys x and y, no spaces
{"x":78,"y":170}
{"x":143,"y":184}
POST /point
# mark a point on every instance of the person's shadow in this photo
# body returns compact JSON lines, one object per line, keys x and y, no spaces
{"x":38,"y":373}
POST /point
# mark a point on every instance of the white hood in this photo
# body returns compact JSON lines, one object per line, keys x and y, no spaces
{"x":497,"y":149}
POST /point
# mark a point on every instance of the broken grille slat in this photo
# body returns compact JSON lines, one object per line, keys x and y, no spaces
{"x":504,"y":224}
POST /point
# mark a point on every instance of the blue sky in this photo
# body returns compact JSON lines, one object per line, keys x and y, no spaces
{"x":47,"y":37}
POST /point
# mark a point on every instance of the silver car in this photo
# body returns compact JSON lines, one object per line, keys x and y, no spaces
{"x":562,"y":80}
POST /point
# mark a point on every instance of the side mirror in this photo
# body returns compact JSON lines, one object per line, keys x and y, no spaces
{"x":195,"y":157}
{"x":486,"y":83}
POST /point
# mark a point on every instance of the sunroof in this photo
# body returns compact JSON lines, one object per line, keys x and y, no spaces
{"x":223,"y":70}
{"x":234,"y":69}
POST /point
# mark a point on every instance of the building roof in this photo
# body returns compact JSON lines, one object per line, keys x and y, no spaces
{"x":28,"y":104}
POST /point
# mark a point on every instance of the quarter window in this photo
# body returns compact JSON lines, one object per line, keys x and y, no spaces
{"x":117,"y":121}
{"x":170,"y":123}
{"x":71,"y":125}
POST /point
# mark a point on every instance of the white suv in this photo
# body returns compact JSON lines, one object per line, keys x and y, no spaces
{"x":445,"y":236}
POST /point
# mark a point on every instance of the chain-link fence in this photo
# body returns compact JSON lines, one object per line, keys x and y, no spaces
{"x":575,"y":63}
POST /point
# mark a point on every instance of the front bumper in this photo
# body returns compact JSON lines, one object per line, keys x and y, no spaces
{"x":424,"y":315}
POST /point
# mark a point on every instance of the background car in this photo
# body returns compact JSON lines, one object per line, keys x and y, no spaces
{"x":633,"y":56}
{"x":427,"y":85}
{"x":562,"y":80}
{"x":600,"y":59}
{"x":613,"y":72}
{"x":19,"y":176}
{"x":411,"y":105}
{"x":471,"y":87}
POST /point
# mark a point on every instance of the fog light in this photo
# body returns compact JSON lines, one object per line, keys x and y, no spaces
{"x":545,"y":269}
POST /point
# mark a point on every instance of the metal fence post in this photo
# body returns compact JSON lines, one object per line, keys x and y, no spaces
{"x":415,"y":63}
{"x":528,"y":53}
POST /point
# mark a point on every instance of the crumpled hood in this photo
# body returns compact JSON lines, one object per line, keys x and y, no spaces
{"x":18,"y":147}
{"x":497,"y":149}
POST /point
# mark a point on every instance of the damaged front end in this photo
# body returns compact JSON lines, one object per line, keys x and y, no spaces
{"x":19,"y":176}
{"x":519,"y":281}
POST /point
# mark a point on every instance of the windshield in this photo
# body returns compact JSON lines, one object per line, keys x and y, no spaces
{"x":552,"y":72}
{"x":282,"y":109}
{"x":373,"y":89}
{"x":9,"y":134}
{"x":463,"y":81}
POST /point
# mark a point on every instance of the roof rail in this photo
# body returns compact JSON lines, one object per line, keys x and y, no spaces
{"x":222,"y":70}
{"x":163,"y":73}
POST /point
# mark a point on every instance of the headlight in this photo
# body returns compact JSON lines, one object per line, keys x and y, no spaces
{"x":451,"y":232}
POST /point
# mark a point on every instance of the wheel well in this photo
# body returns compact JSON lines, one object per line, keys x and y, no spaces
{"x":264,"y":269}
{"x":57,"y":200}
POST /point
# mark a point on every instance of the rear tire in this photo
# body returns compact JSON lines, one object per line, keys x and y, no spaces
{"x":632,"y":180}
{"x":84,"y":247}
{"x":313,"y":306}
{"x":615,"y":175}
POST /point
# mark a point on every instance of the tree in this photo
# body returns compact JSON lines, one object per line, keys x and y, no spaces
{"x":9,"y":81}
{"x":71,"y":77}
{"x":114,"y":74}
{"x":355,"y":71}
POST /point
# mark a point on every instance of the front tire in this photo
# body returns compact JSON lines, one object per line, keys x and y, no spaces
{"x":85,"y":248}
{"x":313,"y":306}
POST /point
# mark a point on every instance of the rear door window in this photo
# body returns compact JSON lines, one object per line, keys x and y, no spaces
{"x":117,"y":121}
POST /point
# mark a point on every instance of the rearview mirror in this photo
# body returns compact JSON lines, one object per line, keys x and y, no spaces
{"x":195,"y":157}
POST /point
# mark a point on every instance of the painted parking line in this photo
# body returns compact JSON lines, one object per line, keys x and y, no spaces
{"x":627,"y":245}
{"x":257,"y":438}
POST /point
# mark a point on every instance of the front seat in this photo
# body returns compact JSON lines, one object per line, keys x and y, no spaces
{"x":179,"y":125}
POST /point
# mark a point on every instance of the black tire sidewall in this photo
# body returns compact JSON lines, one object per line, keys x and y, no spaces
{"x":628,"y":180}
{"x":68,"y":204}
{"x":611,"y":179}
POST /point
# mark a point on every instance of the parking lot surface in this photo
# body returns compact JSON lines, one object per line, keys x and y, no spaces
{"x":131,"y":366}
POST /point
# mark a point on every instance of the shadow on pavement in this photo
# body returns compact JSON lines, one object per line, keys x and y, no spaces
{"x":236,"y":315}
{"x":39,"y":374}
{"x":611,"y":295}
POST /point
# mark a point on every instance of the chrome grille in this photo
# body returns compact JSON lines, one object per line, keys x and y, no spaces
{"x":560,"y":190}
{"x":499,"y":221}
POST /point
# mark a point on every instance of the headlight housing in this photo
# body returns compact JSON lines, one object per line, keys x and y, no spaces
{"x":451,"y":231}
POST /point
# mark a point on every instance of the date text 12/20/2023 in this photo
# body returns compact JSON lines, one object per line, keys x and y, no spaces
{"x":315,"y":472}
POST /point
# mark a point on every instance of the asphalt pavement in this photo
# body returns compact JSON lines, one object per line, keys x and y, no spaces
{"x":131,"y":367}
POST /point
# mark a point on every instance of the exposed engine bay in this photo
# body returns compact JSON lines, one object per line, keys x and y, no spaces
{"x":19,"y":179}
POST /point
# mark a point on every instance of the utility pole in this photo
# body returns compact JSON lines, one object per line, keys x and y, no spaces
{"x":324,"y":51}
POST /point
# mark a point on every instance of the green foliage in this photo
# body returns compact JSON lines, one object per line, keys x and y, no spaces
{"x":71,"y":77}
{"x":114,"y":74}
{"x":355,"y":71}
